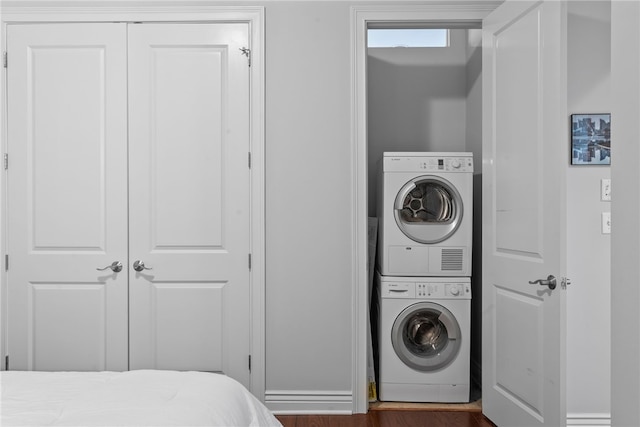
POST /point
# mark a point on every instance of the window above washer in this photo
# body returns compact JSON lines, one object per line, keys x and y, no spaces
{"x":407,"y":37}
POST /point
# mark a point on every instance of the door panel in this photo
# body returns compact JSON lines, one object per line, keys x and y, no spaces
{"x":525,"y":158}
{"x":517,"y":141}
{"x":60,"y":341}
{"x":55,"y":150}
{"x":189,"y":197}
{"x":186,"y":92}
{"x":67,"y":196}
{"x":516,"y":312}
{"x":204,"y":318}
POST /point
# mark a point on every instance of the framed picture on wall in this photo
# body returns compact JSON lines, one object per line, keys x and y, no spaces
{"x":591,"y":139}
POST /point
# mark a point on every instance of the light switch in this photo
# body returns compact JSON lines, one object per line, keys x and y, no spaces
{"x":606,"y":222}
{"x":605,"y":190}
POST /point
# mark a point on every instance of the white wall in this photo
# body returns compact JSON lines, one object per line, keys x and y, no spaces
{"x":588,"y":250}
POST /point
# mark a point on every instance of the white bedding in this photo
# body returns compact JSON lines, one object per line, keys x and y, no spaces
{"x":134,"y":398}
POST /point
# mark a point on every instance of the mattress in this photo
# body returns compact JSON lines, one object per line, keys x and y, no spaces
{"x":133,"y":398}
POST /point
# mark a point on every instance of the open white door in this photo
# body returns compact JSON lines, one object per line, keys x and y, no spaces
{"x":525,"y":158}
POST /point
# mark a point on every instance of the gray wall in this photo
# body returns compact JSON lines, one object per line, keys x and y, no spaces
{"x":588,"y":250}
{"x":625,"y":237}
{"x":308,"y":197}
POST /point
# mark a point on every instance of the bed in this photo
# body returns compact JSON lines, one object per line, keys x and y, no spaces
{"x":133,"y":398}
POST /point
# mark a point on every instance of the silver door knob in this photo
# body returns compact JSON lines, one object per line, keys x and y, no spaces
{"x":116,"y":267}
{"x":550,"y":282}
{"x":139,"y":266}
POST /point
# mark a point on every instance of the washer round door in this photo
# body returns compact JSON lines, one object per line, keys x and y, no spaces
{"x":426,"y":336}
{"x":428,"y":209}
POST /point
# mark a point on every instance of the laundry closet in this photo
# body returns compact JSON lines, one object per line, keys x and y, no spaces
{"x":429,"y":99}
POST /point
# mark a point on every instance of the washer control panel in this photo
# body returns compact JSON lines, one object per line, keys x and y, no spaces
{"x":426,"y":290}
{"x":446,"y":164}
{"x":451,"y":162}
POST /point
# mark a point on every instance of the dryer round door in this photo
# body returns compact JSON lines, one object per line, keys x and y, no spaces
{"x":428,"y":209}
{"x":426,"y":336}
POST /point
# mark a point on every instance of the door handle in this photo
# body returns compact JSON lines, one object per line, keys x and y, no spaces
{"x":116,"y":266}
{"x":139,"y":266}
{"x":550,"y":282}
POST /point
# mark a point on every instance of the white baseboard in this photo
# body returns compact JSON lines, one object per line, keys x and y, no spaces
{"x":588,"y":420}
{"x":309,"y":402}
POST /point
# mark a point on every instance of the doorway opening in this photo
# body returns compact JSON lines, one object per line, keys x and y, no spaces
{"x":407,"y":133}
{"x":426,"y":97}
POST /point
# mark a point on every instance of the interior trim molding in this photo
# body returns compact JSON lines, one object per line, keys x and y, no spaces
{"x":105,"y":11}
{"x":588,"y":419}
{"x":309,"y":402}
{"x":27,"y":11}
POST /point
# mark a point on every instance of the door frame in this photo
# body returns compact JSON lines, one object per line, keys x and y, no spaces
{"x":469,"y":13}
{"x":173,"y":11}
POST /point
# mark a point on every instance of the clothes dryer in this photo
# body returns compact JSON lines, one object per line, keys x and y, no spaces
{"x":425,"y":211}
{"x":424,"y":339}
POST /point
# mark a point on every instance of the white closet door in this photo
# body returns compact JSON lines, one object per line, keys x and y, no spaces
{"x":189,"y":197}
{"x":67,"y":196}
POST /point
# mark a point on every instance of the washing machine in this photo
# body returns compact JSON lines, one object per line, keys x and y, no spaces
{"x":425,"y":212}
{"x":423,"y":342}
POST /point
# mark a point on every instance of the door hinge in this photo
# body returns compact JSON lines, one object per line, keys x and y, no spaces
{"x":5,"y":61}
{"x":6,"y":362}
{"x":246,"y":52}
{"x":6,"y":161}
{"x":249,"y":262}
{"x":249,"y":363}
{"x":6,"y":262}
{"x":249,"y":159}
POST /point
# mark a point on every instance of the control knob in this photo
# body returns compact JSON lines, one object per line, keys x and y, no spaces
{"x":454,"y":290}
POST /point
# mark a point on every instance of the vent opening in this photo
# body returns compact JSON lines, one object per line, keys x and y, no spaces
{"x":452,"y":259}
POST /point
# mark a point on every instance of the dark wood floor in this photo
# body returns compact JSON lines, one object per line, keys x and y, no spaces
{"x":406,"y":418}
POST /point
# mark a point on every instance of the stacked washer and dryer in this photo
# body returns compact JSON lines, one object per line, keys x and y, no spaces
{"x":425,"y":209}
